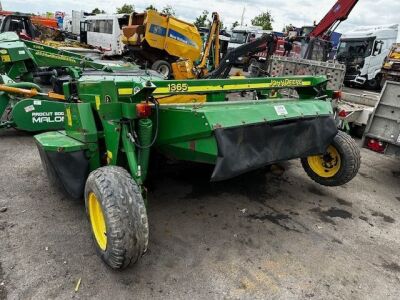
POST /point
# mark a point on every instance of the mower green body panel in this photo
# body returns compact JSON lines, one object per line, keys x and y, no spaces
{"x":240,"y":136}
{"x":29,"y":114}
{"x":20,"y":59}
{"x":59,"y":141}
{"x":235,"y":136}
{"x":49,"y":57}
{"x":38,"y":115}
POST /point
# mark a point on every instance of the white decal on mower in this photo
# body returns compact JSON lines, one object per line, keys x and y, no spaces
{"x":29,"y":108}
{"x":280,"y":110}
{"x":47,"y":117}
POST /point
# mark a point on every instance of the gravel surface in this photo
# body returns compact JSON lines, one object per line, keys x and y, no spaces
{"x":273,"y":233}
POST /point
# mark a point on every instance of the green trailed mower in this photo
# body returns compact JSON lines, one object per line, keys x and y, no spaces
{"x":23,"y":60}
{"x":22,"y":104}
{"x":113,"y":123}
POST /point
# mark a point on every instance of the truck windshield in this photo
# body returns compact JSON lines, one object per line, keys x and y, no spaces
{"x":238,"y":37}
{"x":356,"y":48}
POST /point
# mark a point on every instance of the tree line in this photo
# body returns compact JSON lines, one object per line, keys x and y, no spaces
{"x":130,"y":8}
{"x":264,"y":19}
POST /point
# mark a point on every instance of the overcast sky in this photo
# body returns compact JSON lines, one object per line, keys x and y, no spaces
{"x":297,"y":12}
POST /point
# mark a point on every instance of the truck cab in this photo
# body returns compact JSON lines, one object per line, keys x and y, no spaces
{"x":363,"y":51}
{"x":242,"y":35}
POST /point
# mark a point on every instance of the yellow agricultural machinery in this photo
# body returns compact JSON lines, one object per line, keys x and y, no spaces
{"x":159,"y":40}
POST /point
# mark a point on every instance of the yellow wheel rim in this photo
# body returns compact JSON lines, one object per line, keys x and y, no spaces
{"x":97,"y":220}
{"x":327,"y":165}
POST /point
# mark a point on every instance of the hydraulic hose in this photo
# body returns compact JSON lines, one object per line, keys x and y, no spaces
{"x":24,"y":85}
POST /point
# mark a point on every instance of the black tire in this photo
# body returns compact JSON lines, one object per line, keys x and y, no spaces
{"x":374,"y":84}
{"x":350,"y":160}
{"x":163,"y":67}
{"x":45,"y":79}
{"x":253,"y":61}
{"x":357,"y":131}
{"x":124,"y":212}
{"x":255,"y":69}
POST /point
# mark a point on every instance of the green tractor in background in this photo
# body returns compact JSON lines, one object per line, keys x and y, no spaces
{"x":114,"y":123}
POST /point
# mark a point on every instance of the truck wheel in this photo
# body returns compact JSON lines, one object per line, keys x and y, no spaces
{"x":338,"y":165}
{"x":163,"y":67}
{"x":254,"y":68}
{"x":117,"y":215}
{"x":374,"y":83}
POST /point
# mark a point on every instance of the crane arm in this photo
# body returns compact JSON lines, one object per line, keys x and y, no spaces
{"x":213,"y":37}
{"x":338,"y":13}
{"x":259,"y":44}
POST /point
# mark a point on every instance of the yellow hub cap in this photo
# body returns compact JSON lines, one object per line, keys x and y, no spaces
{"x":97,"y":220}
{"x":326,"y":165}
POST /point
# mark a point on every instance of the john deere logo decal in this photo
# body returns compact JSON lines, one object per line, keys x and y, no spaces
{"x":289,"y":82}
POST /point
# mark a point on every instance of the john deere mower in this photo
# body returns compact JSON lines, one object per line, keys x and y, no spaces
{"x":113,"y":123}
{"x":24,"y":60}
{"x":22,"y":103}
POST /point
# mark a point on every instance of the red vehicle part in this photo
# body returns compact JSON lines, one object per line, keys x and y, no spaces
{"x":376,"y":145}
{"x":280,"y":42}
{"x":338,"y":13}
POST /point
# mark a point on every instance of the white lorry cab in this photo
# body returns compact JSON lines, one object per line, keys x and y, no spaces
{"x":242,"y":35}
{"x":363,"y":51}
{"x":104,"y":32}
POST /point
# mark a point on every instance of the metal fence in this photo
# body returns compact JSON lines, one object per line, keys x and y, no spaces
{"x":289,"y":66}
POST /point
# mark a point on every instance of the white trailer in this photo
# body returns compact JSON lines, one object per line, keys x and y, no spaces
{"x":383,"y":130}
{"x":363,"y":51}
{"x":354,"y":110}
{"x":72,"y":23}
